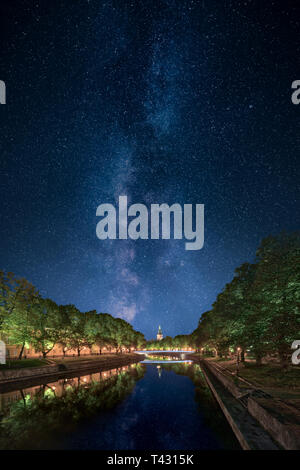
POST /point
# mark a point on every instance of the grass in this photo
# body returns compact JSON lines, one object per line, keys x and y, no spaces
{"x":270,"y":376}
{"x":273,"y":376}
{"x":101,"y":357}
{"x":20,"y":364}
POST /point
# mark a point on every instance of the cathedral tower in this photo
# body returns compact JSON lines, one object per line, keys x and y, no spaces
{"x":159,"y":335}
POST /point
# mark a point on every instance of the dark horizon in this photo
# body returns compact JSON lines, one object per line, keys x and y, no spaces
{"x":165,"y":102}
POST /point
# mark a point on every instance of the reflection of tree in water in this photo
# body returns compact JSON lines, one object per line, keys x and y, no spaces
{"x":161,"y":357}
{"x":32,"y":421}
{"x":207,"y":405}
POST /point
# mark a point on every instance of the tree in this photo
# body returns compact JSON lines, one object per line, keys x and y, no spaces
{"x":18,"y":298}
{"x":45,"y":326}
{"x":96,"y":330}
{"x":278,"y":284}
{"x":259,"y":308}
{"x":75,"y":333}
{"x":14,"y":293}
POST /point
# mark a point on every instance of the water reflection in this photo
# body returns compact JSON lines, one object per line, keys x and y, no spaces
{"x":207,"y":406}
{"x":163,"y":405}
{"x":32,"y":416}
{"x":162,"y":358}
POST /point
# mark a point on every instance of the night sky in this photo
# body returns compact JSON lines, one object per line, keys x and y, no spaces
{"x":163,"y":101}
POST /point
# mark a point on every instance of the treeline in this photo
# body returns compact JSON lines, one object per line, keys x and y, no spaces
{"x":258,"y":311}
{"x":178,"y":342}
{"x":27,"y":319}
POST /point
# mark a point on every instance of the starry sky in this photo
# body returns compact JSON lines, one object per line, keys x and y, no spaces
{"x":163,"y":101}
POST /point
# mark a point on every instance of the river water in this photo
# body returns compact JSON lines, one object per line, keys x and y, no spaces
{"x":158,"y":404}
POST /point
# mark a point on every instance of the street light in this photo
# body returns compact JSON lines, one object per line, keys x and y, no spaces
{"x":238,"y":360}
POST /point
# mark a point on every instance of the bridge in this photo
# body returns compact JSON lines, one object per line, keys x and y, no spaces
{"x":164,"y":353}
{"x":179,"y":355}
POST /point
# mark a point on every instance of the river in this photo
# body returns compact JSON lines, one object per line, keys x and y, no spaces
{"x":159,"y":404}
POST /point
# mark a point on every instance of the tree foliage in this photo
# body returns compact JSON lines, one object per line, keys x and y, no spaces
{"x":28,"y":319}
{"x":259,"y":309}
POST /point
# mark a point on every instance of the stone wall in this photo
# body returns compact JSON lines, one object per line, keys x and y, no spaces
{"x":286,"y":432}
{"x":227,"y":381}
{"x":16,"y":374}
{"x":279,"y":419}
{"x":44,"y":371}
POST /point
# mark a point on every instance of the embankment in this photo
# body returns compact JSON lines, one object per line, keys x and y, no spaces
{"x":259,"y":421}
{"x":14,"y":376}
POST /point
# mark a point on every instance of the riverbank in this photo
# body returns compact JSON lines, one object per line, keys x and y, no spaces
{"x":284,"y":384}
{"x":259,"y":419}
{"x":59,"y":366}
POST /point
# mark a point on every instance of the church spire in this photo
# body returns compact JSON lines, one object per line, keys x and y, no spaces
{"x":159,"y":335}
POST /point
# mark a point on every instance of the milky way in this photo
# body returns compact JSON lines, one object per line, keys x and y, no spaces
{"x":167,"y":101}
